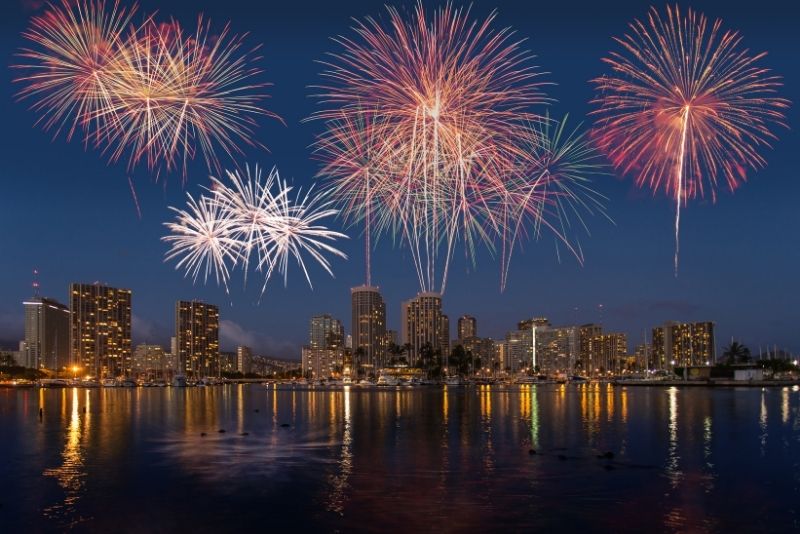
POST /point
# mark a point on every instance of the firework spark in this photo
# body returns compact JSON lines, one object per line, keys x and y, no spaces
{"x":430,"y":137}
{"x":450,"y":97}
{"x":232,"y":222}
{"x":551,"y":188}
{"x":686,"y":107}
{"x":152,"y":92}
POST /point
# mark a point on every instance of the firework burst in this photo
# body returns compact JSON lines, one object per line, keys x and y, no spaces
{"x":153,"y":93}
{"x":551,"y":188}
{"x":428,"y":109}
{"x":685,"y":107}
{"x":251,"y":217}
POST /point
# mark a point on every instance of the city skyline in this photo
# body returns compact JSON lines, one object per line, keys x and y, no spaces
{"x":747,"y":290}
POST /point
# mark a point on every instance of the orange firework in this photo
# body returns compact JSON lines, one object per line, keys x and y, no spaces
{"x":152,"y":92}
{"x":68,"y":72}
{"x":686,"y":107}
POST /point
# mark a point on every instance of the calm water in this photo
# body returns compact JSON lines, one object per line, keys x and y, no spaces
{"x":688,"y":460}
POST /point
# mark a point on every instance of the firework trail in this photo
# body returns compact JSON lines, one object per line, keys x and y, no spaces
{"x":686,"y":107}
{"x":450,"y":97}
{"x":251,"y":217}
{"x":152,"y":92}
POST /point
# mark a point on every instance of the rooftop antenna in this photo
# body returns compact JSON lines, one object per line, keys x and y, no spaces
{"x":35,"y":283}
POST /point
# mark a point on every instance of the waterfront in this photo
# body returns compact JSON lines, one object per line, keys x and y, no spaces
{"x":427,"y":459}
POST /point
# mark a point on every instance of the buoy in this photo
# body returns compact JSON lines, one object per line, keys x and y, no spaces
{"x":202,"y":434}
{"x":531,"y":451}
{"x":245,"y":433}
{"x":221,"y":430}
{"x":285,"y":425}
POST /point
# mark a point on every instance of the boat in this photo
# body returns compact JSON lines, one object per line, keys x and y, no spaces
{"x":387,"y":380}
{"x":179,"y":381}
{"x":129,"y":383}
{"x":109,"y":383}
{"x":55,"y":383}
{"x":453,"y":381}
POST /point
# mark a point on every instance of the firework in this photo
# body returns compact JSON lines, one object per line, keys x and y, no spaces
{"x":686,"y":107}
{"x":551,"y":187}
{"x":450,"y":97}
{"x":152,"y":92}
{"x":250,"y":217}
{"x":75,"y":55}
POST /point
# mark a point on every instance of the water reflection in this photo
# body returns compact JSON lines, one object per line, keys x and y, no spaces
{"x":339,"y":482}
{"x":673,"y":455}
{"x":70,"y":475}
{"x":424,"y":458}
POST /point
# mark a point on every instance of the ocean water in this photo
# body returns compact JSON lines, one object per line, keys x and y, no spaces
{"x":566,"y":458}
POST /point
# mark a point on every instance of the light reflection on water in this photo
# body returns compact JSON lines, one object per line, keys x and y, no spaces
{"x":428,"y":458}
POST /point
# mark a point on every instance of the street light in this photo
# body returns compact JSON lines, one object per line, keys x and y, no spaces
{"x":75,"y":370}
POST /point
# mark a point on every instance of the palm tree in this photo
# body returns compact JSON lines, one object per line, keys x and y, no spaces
{"x":736,"y":353}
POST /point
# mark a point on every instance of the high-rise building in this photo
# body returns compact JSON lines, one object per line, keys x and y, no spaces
{"x":588,"y":361}
{"x":323,"y":357}
{"x":422,"y":324}
{"x":244,"y":359}
{"x":683,"y":344}
{"x":556,"y":348}
{"x":151,"y":361}
{"x":47,"y":326}
{"x":518,"y":352}
{"x":610,"y":351}
{"x":101,"y":329}
{"x":444,"y":343}
{"x":467,"y":328}
{"x":369,"y":326}
{"x":197,"y":338}
{"x":325,"y":331}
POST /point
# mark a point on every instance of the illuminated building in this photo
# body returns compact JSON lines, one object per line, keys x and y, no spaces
{"x":47,"y":326}
{"x":101,"y":329}
{"x":369,"y":325}
{"x":588,"y":360}
{"x":684,"y":344}
{"x":228,"y":361}
{"x":151,"y":361}
{"x":557,"y":348}
{"x":244,"y":359}
{"x":197,"y":338}
{"x":323,"y":357}
{"x":444,"y":333}
{"x":422,"y":324}
{"x":467,"y":328}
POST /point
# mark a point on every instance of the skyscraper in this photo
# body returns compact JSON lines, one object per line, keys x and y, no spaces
{"x":369,"y":325}
{"x":197,"y":338}
{"x":467,"y":328}
{"x":684,"y":344}
{"x":47,"y":325}
{"x":324,"y":355}
{"x":101,"y":329}
{"x":588,"y":361}
{"x":244,"y":359}
{"x":421,"y":323}
{"x":325,"y":331}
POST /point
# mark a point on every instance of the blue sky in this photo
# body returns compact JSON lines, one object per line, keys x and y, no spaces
{"x":67,"y":212}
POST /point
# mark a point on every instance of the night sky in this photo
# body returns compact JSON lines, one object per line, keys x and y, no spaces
{"x":67,"y":212}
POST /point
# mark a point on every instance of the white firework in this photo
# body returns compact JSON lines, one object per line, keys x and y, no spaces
{"x":250,"y":218}
{"x":202,"y":238}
